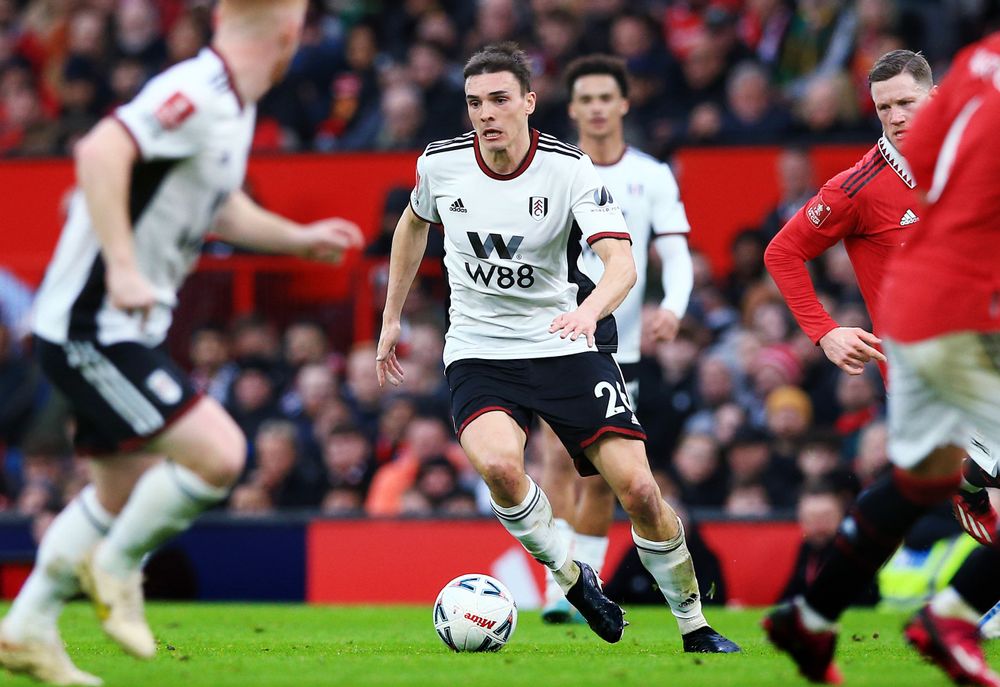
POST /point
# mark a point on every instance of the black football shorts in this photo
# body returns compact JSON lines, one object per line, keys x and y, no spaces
{"x":121,"y":395}
{"x":581,"y":396}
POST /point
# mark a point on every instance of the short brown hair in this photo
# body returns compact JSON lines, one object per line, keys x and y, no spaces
{"x":601,"y":65}
{"x":501,"y":57}
{"x":899,"y":62}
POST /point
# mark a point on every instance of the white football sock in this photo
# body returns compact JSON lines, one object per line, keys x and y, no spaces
{"x":553,"y":593}
{"x":165,"y":501}
{"x":813,"y":620}
{"x":590,"y":550}
{"x":669,"y":562}
{"x":948,"y":603}
{"x":72,"y":534}
{"x":532,"y":524}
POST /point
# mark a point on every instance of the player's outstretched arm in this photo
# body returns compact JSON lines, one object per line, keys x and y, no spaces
{"x":104,"y":159}
{"x":678,"y":281}
{"x":408,"y":244}
{"x":619,"y":276}
{"x":245,"y":223}
{"x":849,"y":348}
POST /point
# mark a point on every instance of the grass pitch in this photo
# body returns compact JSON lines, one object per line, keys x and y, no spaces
{"x":245,"y":645}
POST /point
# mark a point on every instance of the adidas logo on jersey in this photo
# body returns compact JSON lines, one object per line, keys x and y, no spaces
{"x":909,"y":218}
{"x":458,"y":206}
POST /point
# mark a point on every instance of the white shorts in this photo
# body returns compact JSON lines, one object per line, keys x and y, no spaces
{"x":944,"y":391}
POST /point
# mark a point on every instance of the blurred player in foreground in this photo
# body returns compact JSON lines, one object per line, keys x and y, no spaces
{"x":530,"y":333}
{"x":873,"y":208}
{"x":942,"y":327}
{"x":153,"y":179}
{"x":650,"y":201}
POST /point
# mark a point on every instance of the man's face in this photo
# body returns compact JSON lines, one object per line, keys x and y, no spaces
{"x":497,"y":108}
{"x":597,"y":105}
{"x":897,"y":100}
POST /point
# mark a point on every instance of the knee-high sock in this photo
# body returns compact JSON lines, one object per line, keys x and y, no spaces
{"x":552,"y":590}
{"x":870,"y":533}
{"x":72,"y":534}
{"x":669,"y":562}
{"x":532,"y":524}
{"x":590,"y":549}
{"x":165,"y":501}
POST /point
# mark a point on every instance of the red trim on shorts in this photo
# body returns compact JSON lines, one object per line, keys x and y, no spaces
{"x":525,"y":163}
{"x":137,"y":443}
{"x":135,"y":141}
{"x":621,"y":235}
{"x":926,"y":491}
{"x":631,"y":433}
{"x":483,"y":411}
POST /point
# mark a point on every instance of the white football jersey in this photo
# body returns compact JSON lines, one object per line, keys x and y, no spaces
{"x":193,"y":136}
{"x":650,"y":200}
{"x":512,"y":245}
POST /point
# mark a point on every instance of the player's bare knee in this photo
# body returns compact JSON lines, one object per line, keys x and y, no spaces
{"x":503,"y":474}
{"x":224,"y":465}
{"x":641,"y":499}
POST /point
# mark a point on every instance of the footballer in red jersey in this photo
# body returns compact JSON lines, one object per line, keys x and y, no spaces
{"x":943,"y":333}
{"x":873,"y":208}
{"x":873,"y":226}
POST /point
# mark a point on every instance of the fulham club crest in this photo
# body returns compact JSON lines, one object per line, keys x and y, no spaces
{"x":538,"y":207}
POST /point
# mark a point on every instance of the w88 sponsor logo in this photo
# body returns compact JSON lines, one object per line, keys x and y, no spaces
{"x":501,"y":275}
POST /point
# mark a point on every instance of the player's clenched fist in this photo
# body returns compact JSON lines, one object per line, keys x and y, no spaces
{"x":849,"y":348}
{"x":386,"y":363}
{"x":574,"y":324}
{"x":328,"y":239}
{"x":130,"y":291}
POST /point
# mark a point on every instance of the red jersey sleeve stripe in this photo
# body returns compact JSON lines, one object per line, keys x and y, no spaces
{"x":620,"y":235}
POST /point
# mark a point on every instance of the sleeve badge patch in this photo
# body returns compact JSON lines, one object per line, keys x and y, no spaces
{"x":174,"y":111}
{"x":818,"y":211}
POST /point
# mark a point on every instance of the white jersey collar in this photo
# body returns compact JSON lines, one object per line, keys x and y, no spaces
{"x":896,"y":161}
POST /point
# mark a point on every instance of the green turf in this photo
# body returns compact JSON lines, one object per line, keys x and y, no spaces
{"x":245,"y":645}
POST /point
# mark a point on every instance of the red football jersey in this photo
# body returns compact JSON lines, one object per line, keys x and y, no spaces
{"x":947,"y":278}
{"x":871,"y":207}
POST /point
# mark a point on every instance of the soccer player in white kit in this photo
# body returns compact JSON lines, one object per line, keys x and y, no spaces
{"x":650,"y":200}
{"x":530,"y":334}
{"x":153,"y":178}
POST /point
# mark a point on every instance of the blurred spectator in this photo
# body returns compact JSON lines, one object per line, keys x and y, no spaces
{"x":763,"y":27}
{"x":751,"y":464}
{"x":747,"y":251}
{"x":361,"y":391}
{"x":796,"y":183}
{"x":306,"y":343}
{"x":752,"y":114}
{"x":402,"y":117}
{"x":212,"y":371}
{"x":138,"y":34}
{"x":818,"y":456}
{"x":347,"y":457}
{"x":860,"y":403}
{"x":188,"y":35}
{"x":872,"y":458}
{"x":280,"y":479}
{"x":254,"y":337}
{"x":818,"y":42}
{"x":442,"y":97}
{"x":789,"y":417}
{"x":747,"y":499}
{"x":819,"y":513}
{"x":19,"y":388}
{"x":253,"y":398}
{"x":698,"y":472}
{"x":826,"y":110}
{"x":427,"y":439}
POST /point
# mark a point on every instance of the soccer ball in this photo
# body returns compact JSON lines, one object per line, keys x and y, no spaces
{"x":475,"y":613}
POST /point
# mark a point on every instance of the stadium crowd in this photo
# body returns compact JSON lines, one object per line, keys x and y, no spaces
{"x":744,"y":413}
{"x":387,"y":75}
